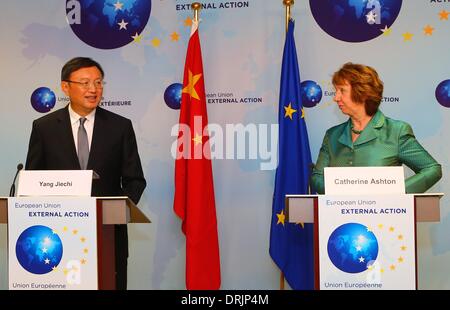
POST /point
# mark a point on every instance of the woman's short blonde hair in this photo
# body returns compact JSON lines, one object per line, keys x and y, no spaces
{"x":366,"y":85}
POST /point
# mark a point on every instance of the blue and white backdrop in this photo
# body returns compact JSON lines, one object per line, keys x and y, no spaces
{"x":142,"y":44}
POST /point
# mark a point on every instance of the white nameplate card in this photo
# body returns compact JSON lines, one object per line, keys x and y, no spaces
{"x":55,"y":183}
{"x":364,"y":180}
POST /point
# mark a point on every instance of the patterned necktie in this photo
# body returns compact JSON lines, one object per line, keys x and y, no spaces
{"x":83,"y":145}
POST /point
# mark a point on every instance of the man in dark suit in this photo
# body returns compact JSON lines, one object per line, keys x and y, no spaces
{"x":84,"y":136}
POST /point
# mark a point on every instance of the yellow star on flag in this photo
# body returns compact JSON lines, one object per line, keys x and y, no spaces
{"x":85,"y":250}
{"x":444,"y":15}
{"x":197,"y":139}
{"x":301,"y":224}
{"x":83,"y":261}
{"x":289,"y":111}
{"x":391,"y":229}
{"x":407,"y":36}
{"x":74,"y":231}
{"x":303,"y":113}
{"x":174,"y":36}
{"x":281,"y":217}
{"x":82,"y":239}
{"x":189,"y":89}
{"x":403,"y":248}
{"x":401,"y":259}
{"x":392,"y":267}
{"x":65,"y":228}
{"x":428,"y":30}
{"x":188,"y":22}
{"x":380,"y":226}
{"x":400,"y":237}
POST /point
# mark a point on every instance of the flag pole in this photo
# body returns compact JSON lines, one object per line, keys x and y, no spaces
{"x":288,"y":4}
{"x":196,"y":6}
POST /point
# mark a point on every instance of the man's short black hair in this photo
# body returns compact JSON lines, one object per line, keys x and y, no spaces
{"x":77,"y":63}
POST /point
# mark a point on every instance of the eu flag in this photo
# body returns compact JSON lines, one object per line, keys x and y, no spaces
{"x":291,"y":244}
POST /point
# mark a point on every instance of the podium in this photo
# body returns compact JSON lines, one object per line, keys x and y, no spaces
{"x":304,"y":209}
{"x":110,"y":211}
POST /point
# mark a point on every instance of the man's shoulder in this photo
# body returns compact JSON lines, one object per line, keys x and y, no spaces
{"x":111,"y":116}
{"x":50,"y":117}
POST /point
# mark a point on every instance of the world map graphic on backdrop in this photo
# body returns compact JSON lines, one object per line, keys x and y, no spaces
{"x":311,"y":93}
{"x":43,"y":99}
{"x":355,"y":20}
{"x":443,"y":93}
{"x":172,"y":96}
{"x":108,"y":24}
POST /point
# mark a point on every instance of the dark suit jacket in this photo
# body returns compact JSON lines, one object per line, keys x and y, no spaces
{"x":113,"y":154}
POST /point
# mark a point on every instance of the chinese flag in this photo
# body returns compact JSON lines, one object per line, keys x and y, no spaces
{"x":194,"y":199}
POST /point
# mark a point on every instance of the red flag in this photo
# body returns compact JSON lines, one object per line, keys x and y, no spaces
{"x":194,"y":199}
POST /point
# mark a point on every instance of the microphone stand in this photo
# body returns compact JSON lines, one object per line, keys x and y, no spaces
{"x":12,"y":190}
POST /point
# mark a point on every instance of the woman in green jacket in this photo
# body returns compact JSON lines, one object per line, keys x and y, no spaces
{"x":369,"y":138}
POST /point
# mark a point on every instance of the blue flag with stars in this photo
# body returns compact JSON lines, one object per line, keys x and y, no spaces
{"x":291,"y":244}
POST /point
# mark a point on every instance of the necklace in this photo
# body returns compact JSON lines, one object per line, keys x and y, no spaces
{"x":357,"y":132}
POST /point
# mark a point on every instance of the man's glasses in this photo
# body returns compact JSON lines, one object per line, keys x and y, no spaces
{"x":86,"y":84}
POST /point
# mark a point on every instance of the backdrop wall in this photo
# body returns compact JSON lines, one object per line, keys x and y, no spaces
{"x":242,"y":44}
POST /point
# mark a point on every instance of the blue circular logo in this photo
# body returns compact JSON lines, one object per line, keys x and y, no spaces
{"x":443,"y":93}
{"x":39,"y":249}
{"x":311,"y":93}
{"x":43,"y":99}
{"x":355,"y":20}
{"x":352,"y":248}
{"x":172,"y":96}
{"x":107,"y":24}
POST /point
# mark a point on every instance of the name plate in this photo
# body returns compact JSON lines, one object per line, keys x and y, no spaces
{"x":55,"y":183}
{"x":364,"y":180}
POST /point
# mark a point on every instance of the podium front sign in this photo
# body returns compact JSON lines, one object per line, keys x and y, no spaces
{"x":52,"y":243}
{"x":366,"y":242}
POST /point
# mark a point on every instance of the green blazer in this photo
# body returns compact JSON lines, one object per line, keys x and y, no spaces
{"x":384,"y":142}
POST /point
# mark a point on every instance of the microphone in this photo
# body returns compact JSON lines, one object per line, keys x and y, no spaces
{"x":12,"y":191}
